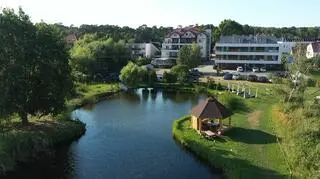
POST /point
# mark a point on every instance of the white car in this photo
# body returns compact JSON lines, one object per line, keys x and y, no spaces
{"x":239,"y":69}
{"x":236,"y":76}
{"x":255,"y":69}
{"x":263,"y":69}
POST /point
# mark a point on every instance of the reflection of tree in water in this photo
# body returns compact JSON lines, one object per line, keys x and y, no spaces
{"x":168,"y":95}
{"x":59,"y":164}
{"x":196,"y":99}
{"x":145,"y":94}
{"x":132,"y":97}
{"x":88,"y":107}
{"x":180,"y":97}
{"x":154,"y":93}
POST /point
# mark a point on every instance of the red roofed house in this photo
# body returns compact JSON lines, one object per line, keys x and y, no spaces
{"x":313,"y":49}
{"x":180,"y":37}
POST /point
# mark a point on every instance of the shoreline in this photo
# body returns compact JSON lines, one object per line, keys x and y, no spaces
{"x":22,"y":144}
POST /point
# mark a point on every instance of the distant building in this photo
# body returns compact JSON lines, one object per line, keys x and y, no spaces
{"x":313,"y":49}
{"x":250,"y":51}
{"x":71,"y":39}
{"x":148,"y":50}
{"x":180,"y":37}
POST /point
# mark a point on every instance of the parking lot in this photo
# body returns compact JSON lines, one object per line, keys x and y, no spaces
{"x":208,"y":70}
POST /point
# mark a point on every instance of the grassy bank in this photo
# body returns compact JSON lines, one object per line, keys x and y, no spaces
{"x":91,"y":93}
{"x":249,"y":150}
{"x":23,"y":143}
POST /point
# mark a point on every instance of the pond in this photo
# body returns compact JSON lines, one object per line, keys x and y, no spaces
{"x":128,"y":136}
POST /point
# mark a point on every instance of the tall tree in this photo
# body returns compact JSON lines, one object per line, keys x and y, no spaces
{"x":34,"y":67}
{"x":131,"y":75}
{"x":189,"y":56}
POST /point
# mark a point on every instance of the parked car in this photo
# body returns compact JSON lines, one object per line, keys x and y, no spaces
{"x":255,"y":69}
{"x":263,"y":79}
{"x":227,"y":76}
{"x":252,"y":77}
{"x":263,"y":69}
{"x":239,"y":69}
{"x":236,"y":76}
{"x":282,"y":74}
{"x":195,"y":72}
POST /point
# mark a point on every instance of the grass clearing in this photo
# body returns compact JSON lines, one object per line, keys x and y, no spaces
{"x":249,"y":150}
{"x":91,"y":92}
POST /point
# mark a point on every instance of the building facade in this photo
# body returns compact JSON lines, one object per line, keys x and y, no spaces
{"x":71,"y":39}
{"x":148,"y":50}
{"x":180,"y":37}
{"x":250,"y":51}
{"x":313,"y":49}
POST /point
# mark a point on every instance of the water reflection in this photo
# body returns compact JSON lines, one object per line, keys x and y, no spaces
{"x":60,"y":164}
{"x":128,"y":136}
{"x":145,"y":94}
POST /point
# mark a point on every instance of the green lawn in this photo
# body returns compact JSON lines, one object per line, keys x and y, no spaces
{"x":90,"y":92}
{"x":249,"y":150}
{"x":316,"y":74}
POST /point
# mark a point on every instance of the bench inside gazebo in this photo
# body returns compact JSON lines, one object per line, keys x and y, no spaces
{"x":207,"y":118}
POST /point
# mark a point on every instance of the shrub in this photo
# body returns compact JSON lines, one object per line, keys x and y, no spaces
{"x":200,"y":89}
{"x":232,"y":102}
{"x":169,"y":77}
{"x":181,"y":72}
{"x":152,"y":77}
{"x":311,"y":82}
{"x":219,"y":86}
{"x":211,"y":84}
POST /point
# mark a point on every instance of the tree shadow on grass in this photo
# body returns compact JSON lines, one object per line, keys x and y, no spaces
{"x":228,"y":163}
{"x":250,"y":136}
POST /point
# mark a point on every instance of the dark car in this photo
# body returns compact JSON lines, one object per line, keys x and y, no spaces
{"x":252,"y":77}
{"x":227,"y":76}
{"x":195,"y":72}
{"x":282,"y":74}
{"x":263,"y":79}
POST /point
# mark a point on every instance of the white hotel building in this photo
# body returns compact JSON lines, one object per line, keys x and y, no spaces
{"x":180,"y":37}
{"x":250,"y":51}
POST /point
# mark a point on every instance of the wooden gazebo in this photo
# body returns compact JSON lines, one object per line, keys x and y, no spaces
{"x":211,"y":108}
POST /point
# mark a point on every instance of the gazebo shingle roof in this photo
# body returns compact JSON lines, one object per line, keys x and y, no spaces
{"x":211,"y":108}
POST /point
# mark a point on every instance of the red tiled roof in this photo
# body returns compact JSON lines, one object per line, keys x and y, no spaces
{"x":316,"y":47}
{"x":211,"y":108}
{"x":181,"y":31}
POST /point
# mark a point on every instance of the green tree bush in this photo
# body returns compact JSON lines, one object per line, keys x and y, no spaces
{"x":35,"y":74}
{"x":132,"y":75}
{"x":169,"y":77}
{"x":189,"y":56}
{"x":181,"y":72}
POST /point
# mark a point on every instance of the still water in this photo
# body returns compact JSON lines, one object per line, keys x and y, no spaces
{"x":128,"y":136}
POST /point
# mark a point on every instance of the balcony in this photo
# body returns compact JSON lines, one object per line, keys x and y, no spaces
{"x":247,"y":53}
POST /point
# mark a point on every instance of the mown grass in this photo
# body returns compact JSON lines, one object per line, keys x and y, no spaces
{"x":249,"y":150}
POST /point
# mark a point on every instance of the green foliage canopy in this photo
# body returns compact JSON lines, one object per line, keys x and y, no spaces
{"x":33,"y":67}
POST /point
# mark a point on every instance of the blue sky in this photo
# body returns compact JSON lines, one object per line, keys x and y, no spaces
{"x":271,"y":13}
